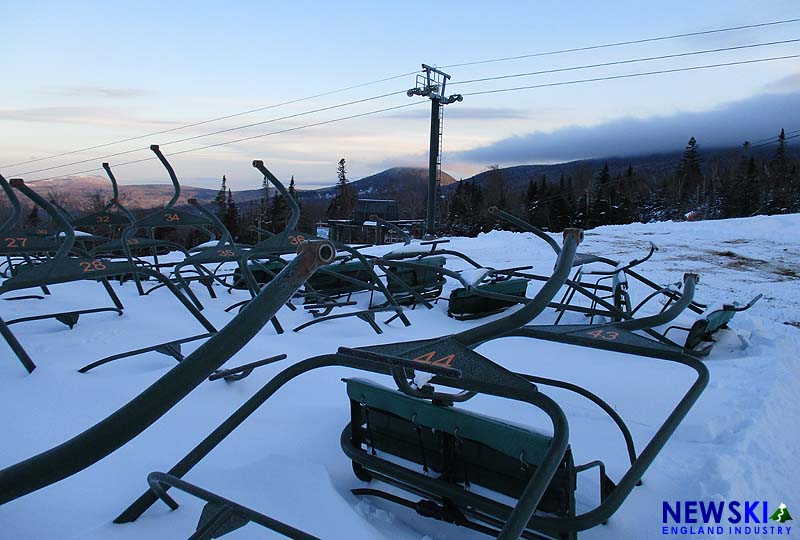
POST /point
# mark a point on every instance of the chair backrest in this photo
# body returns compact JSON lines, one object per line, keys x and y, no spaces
{"x":459,"y":445}
{"x":169,"y":216}
{"x":703,"y":328}
{"x":105,"y":216}
{"x":466,"y":303}
{"x":14,"y":219}
{"x":510,"y":439}
{"x":423,"y":273}
{"x":62,"y":225}
{"x":16,"y":208}
{"x":285,"y":241}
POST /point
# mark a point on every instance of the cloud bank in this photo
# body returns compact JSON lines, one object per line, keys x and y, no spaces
{"x":751,"y":119}
{"x":467,"y":113}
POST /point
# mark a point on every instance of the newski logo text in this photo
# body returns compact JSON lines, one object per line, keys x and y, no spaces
{"x":708,"y":518}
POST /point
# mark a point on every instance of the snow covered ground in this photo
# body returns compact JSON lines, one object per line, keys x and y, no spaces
{"x":739,"y":442}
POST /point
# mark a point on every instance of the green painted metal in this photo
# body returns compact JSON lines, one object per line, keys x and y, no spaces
{"x":478,"y":374}
{"x":472,"y":373}
{"x":513,"y":440}
{"x":225,"y":250}
{"x":62,"y":268}
{"x":16,"y":347}
{"x":332,"y":281}
{"x":504,"y":325}
{"x":586,"y":258}
{"x":220,"y":516}
{"x":392,"y":227}
{"x":510,"y":387}
{"x":705,"y":327}
{"x":16,"y":208}
{"x":475,"y":302}
{"x":131,"y":419}
{"x":294,"y":208}
{"x":366,"y":315}
{"x":19,"y":240}
{"x":167,"y":217}
{"x":410,"y":281}
{"x":38,"y":274}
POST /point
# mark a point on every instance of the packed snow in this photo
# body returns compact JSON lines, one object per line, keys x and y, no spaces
{"x":738,"y":442}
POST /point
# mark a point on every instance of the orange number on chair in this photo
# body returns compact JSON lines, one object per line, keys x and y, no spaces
{"x":428,"y":358}
{"x":445,"y":361}
{"x":16,"y":242}
{"x":604,"y":334}
{"x":133,"y":241}
{"x":294,"y":240}
{"x":172,"y":217}
{"x":226,"y":252}
{"x":92,"y":266}
{"x":103,"y":219}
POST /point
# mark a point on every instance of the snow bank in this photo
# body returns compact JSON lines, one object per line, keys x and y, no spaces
{"x":739,"y":441}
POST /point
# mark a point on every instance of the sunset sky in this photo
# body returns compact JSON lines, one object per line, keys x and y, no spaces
{"x":82,"y":74}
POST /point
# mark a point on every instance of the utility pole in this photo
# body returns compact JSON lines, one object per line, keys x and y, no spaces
{"x":431,"y":84}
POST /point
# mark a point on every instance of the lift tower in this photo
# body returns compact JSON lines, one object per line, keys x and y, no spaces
{"x":431,"y":84}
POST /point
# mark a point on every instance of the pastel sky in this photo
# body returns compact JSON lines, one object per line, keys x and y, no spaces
{"x":78,"y":74}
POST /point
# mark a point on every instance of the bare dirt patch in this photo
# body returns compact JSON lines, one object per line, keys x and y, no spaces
{"x":731,"y":259}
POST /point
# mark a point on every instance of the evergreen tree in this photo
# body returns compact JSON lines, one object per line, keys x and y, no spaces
{"x":599,"y":207}
{"x":751,"y":188}
{"x":531,"y":198}
{"x":476,"y":210}
{"x":231,"y":218}
{"x":560,"y":206}
{"x":303,"y":224}
{"x":737,"y":198}
{"x":781,"y":183}
{"x":625,"y":210}
{"x":571,"y":207}
{"x":502,"y":200}
{"x":689,"y":174}
{"x":466,"y":215}
{"x":496,"y":187}
{"x":279,"y":213}
{"x":344,"y":203}
{"x":220,"y":202}
{"x":542,"y":216}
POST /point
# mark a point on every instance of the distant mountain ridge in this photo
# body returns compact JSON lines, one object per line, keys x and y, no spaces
{"x":405,"y":184}
{"x":516,"y":178}
{"x":390,"y":183}
{"x":385,"y":184}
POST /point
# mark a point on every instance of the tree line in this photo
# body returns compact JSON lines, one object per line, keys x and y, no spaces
{"x":749,"y":182}
{"x":271,"y":213}
{"x":248,"y":223}
{"x":753,"y":180}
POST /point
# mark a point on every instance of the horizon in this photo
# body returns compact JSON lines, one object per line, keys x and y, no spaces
{"x":166,"y":182}
{"x":71,"y":94}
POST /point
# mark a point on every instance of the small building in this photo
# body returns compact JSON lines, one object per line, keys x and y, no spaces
{"x":386,"y":209}
{"x":363,"y":229}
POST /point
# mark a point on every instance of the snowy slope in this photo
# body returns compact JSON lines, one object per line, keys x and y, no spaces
{"x":738,"y":442}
